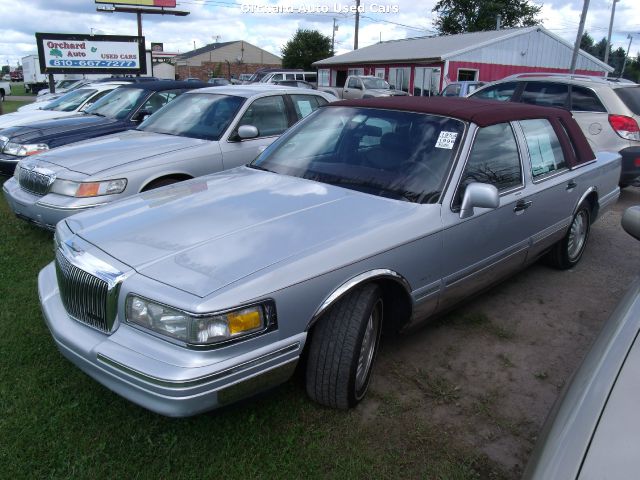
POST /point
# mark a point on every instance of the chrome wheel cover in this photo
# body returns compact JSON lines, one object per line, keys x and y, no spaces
{"x":577,"y":235}
{"x":368,"y":348}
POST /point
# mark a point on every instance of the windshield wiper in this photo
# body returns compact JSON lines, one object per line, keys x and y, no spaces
{"x":258,"y":167}
{"x":371,"y":187}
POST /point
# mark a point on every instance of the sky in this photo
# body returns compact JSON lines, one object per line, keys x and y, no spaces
{"x":227,"y":20}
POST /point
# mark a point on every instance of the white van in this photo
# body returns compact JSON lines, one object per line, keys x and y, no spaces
{"x":271,"y":77}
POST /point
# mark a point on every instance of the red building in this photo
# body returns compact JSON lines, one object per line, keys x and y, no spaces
{"x":425,"y":65}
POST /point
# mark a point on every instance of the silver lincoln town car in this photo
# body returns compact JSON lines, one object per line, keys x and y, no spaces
{"x":368,"y":214}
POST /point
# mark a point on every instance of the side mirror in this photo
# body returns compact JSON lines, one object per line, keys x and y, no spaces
{"x":246,"y":132}
{"x":481,"y":195}
{"x":141,"y":116}
{"x":392,"y":87}
{"x":631,"y":221}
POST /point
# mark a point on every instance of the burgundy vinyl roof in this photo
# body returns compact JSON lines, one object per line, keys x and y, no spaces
{"x":488,"y":112}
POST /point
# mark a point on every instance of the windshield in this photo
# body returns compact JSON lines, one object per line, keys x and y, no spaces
{"x":117,"y":104}
{"x":71,"y":101}
{"x":199,"y":115}
{"x":379,"y":83}
{"x":65,"y":83}
{"x":401,"y":155}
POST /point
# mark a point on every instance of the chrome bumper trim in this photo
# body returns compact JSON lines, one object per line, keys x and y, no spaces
{"x":179,"y":384}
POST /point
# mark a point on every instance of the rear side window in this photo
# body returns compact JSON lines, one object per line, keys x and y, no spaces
{"x":503,"y":91}
{"x":546,"y":94}
{"x":494,"y":159}
{"x":305,"y":104}
{"x":544,"y":148}
{"x":631,"y":98}
{"x":585,"y":100}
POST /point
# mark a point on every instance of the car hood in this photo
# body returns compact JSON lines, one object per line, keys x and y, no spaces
{"x":102,"y":153}
{"x":204,"y":234}
{"x":40,"y":131}
{"x":30,"y":116}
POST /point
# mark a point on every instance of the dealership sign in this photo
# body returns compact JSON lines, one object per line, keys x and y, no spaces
{"x":83,"y":53}
{"x":142,"y":3}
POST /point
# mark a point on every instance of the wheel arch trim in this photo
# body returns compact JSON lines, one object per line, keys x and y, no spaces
{"x":584,"y":196}
{"x":353,"y":282}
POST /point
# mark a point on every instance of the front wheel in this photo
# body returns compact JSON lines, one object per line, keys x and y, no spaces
{"x":343,"y":349}
{"x":567,"y":252}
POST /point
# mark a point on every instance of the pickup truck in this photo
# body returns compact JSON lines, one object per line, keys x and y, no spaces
{"x":5,"y":89}
{"x":363,"y":86}
{"x":366,"y":215}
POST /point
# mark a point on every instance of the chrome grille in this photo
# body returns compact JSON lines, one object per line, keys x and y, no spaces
{"x":34,"y":182}
{"x":84,"y":296}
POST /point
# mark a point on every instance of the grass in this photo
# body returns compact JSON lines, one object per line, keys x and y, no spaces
{"x":476,"y":321}
{"x":10,"y":106}
{"x":56,"y":422}
{"x":18,"y":89}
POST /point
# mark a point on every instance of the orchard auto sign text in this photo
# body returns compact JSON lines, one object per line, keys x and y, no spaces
{"x":76,"y":53}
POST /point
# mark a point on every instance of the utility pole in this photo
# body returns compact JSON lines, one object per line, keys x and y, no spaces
{"x":613,"y":12}
{"x":355,"y":40}
{"x":624,"y":64}
{"x":576,"y":47}
{"x":333,"y":37}
{"x":498,"y":21}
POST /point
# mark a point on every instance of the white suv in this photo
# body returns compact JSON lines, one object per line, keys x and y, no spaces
{"x":607,"y":110}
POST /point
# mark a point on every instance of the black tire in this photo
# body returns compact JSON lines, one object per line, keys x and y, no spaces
{"x":567,"y":252}
{"x":162,"y":182}
{"x":338,"y":346}
{"x":1,"y":95}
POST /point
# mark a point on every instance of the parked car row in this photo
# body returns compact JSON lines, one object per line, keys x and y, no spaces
{"x":299,"y":227}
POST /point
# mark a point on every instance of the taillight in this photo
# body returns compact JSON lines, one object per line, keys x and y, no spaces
{"x":626,"y":127}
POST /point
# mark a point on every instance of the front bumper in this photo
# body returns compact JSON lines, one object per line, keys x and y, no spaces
{"x":175,"y":381}
{"x":630,"y":165}
{"x":34,"y":208}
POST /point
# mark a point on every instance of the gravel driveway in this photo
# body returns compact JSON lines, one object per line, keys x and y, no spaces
{"x":487,"y":374}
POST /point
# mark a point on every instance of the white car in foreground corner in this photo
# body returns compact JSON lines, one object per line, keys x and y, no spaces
{"x":64,"y":106}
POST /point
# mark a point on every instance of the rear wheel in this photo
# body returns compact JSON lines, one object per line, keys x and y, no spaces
{"x":343,"y":349}
{"x":1,"y":94}
{"x":568,"y":251}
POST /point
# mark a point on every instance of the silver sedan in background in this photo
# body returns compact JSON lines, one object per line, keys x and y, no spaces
{"x":212,"y":130}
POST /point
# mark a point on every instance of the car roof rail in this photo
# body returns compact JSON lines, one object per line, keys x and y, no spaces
{"x":575,"y":76}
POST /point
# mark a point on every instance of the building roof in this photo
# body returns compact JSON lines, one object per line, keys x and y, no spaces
{"x":207,"y":48}
{"x":437,"y":48}
{"x":484,"y":113}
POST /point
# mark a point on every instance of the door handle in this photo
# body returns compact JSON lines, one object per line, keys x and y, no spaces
{"x":571,"y":185}
{"x":522,"y":205}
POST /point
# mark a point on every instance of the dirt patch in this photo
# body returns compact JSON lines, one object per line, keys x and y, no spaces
{"x":488,"y":373}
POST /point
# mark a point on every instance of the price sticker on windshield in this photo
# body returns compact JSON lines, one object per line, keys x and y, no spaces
{"x":446,"y":140}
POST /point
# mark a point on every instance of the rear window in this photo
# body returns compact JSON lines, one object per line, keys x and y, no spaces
{"x":631,"y":98}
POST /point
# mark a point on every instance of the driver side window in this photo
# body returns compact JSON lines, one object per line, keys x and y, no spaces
{"x":494,"y":159}
{"x":268,"y":115}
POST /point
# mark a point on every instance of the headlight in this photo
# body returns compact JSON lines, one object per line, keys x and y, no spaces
{"x":197,"y":330}
{"x":24,"y":150}
{"x":70,"y":188}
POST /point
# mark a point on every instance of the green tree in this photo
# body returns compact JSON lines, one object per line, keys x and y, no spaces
{"x":586,"y":42}
{"x":460,"y":16}
{"x":304,"y":48}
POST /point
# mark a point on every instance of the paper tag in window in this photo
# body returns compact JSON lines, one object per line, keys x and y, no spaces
{"x":446,"y":140}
